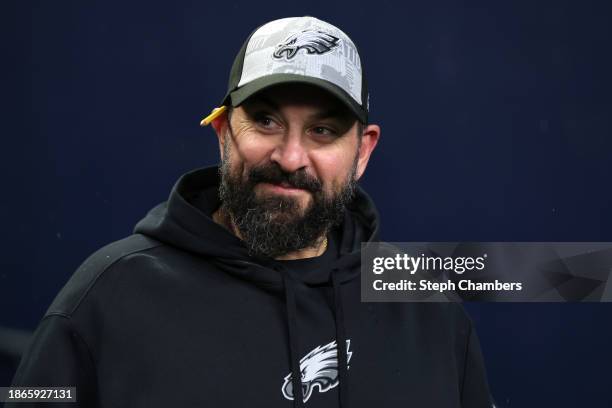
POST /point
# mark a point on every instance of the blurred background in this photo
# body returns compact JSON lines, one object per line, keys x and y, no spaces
{"x":496,"y":126}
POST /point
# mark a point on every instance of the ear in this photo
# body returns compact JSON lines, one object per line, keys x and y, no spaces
{"x":219,"y":124}
{"x":369,"y":139}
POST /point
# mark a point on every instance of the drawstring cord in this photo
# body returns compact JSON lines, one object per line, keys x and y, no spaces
{"x":341,"y":345}
{"x":294,"y":348}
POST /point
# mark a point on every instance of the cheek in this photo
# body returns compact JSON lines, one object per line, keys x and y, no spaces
{"x":249,"y":152}
{"x":333,"y":168}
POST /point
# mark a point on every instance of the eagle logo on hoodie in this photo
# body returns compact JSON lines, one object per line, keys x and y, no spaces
{"x":319,"y":369}
{"x":312,"y":41}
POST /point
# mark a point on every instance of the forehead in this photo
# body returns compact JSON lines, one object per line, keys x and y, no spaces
{"x":301,"y":95}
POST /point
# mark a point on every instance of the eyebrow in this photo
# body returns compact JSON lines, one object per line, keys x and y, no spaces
{"x":336,"y":113}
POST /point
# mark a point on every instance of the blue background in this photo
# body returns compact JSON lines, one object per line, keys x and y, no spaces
{"x":496,"y":126}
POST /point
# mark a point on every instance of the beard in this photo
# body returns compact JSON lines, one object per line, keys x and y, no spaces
{"x":274,"y":225}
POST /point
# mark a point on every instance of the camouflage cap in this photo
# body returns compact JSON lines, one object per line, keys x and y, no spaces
{"x":304,"y":50}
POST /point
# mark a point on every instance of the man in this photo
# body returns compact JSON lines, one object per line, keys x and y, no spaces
{"x":243,"y":288}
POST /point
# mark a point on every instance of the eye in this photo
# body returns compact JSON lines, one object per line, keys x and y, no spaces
{"x":324,"y":131}
{"x":265,"y":121}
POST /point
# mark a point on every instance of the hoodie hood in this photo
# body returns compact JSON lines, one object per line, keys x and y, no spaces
{"x":185,"y":221}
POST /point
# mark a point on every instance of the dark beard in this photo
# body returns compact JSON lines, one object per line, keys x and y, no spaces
{"x":275,"y":225}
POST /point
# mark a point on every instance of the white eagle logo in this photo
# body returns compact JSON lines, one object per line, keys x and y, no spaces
{"x":312,"y":41}
{"x":319,"y":368}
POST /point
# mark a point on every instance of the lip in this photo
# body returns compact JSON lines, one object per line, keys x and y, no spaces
{"x":277,"y":188}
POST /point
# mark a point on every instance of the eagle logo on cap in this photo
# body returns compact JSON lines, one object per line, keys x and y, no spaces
{"x":313,"y":41}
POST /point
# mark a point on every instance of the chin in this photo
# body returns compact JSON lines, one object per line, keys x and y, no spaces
{"x":287,"y":214}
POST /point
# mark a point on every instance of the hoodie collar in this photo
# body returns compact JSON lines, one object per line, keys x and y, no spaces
{"x":185,"y":221}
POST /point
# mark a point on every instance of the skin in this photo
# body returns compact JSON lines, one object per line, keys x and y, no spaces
{"x":298,"y":127}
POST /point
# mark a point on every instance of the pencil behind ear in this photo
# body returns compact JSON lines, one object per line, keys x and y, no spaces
{"x":213,"y":115}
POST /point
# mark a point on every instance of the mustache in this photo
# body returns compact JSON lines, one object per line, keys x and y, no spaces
{"x":272,"y":173}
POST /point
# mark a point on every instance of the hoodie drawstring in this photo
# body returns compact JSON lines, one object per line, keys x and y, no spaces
{"x":296,"y":376}
{"x":341,"y":345}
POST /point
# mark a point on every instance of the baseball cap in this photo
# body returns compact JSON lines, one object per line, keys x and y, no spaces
{"x":298,"y":50}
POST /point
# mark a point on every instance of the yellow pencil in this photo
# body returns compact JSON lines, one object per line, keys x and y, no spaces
{"x":214,"y":114}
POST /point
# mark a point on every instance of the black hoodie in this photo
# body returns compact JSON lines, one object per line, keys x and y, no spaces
{"x":179,"y":315}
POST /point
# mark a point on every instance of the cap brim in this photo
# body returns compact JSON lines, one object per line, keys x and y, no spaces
{"x":244,"y":92}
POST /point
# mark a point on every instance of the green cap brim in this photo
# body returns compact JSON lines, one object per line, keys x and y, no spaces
{"x":241,"y":94}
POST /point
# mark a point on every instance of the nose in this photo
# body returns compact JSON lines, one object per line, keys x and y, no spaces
{"x":290,"y":154}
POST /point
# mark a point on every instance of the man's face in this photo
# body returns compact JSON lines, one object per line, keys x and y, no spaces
{"x":290,"y":160}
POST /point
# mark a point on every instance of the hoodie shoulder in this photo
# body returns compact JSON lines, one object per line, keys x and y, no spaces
{"x":86,"y":275}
